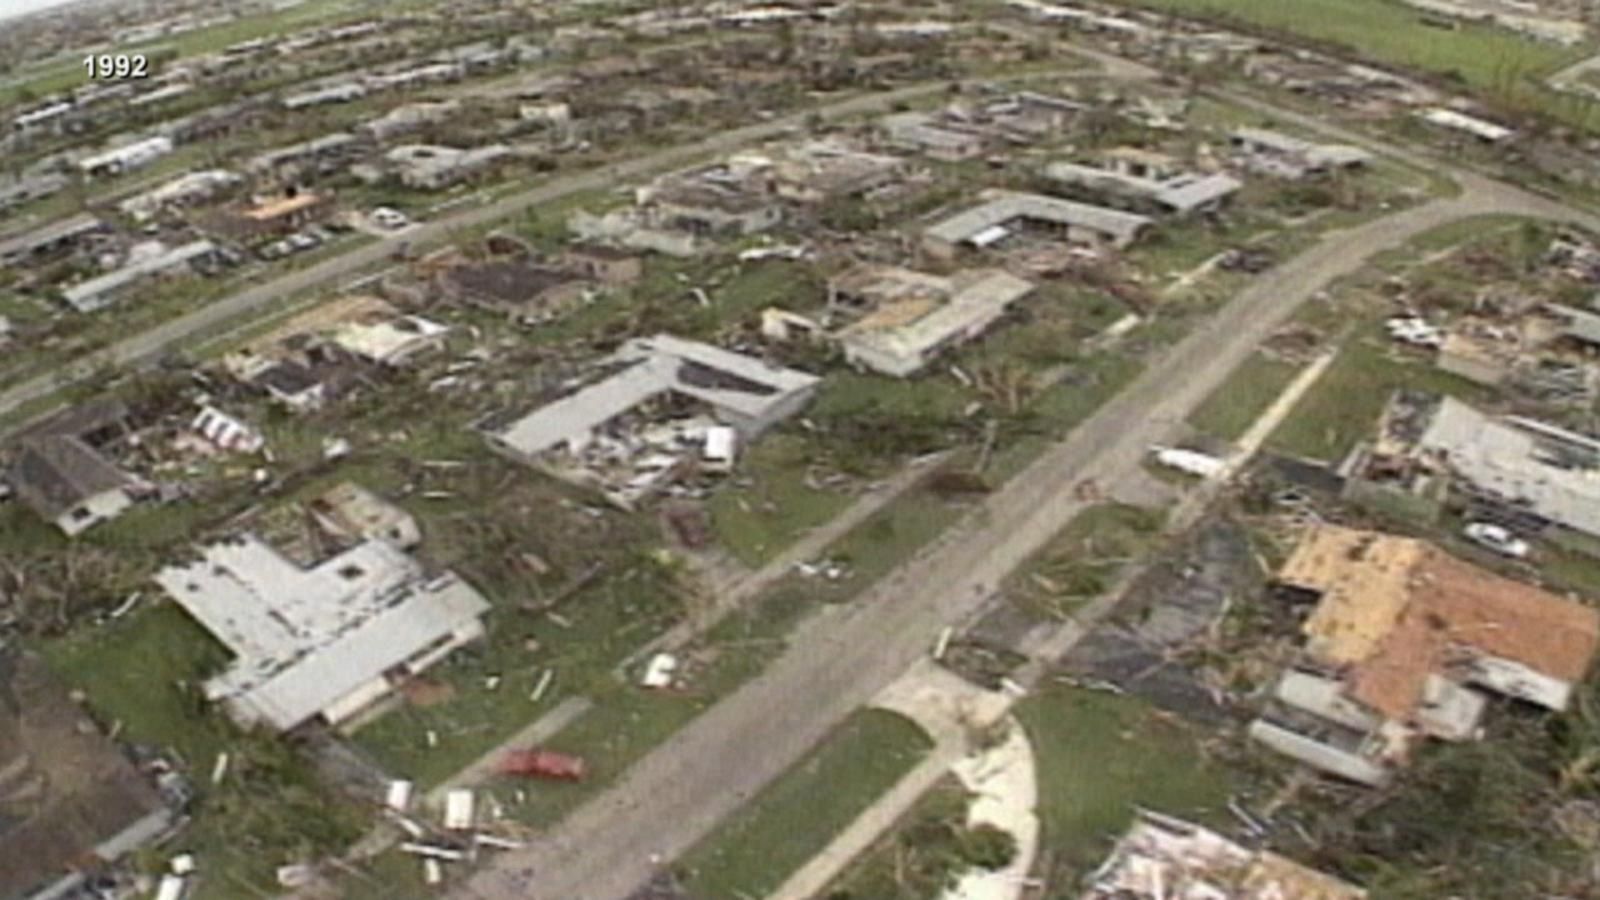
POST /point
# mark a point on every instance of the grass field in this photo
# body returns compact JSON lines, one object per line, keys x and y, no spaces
{"x":795,"y":817}
{"x":1231,"y":409}
{"x":142,"y":674}
{"x":1344,"y":405}
{"x":1489,"y":60}
{"x":1100,"y":757}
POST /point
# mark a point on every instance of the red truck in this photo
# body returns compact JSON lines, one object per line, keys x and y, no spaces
{"x":543,"y":764}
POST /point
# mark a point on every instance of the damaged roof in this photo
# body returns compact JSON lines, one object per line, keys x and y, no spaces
{"x":730,"y":382}
{"x":56,"y":473}
{"x":1395,"y":611}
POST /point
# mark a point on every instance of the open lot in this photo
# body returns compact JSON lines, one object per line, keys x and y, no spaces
{"x":1499,"y":64}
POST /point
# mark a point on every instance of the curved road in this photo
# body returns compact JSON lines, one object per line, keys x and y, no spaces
{"x":838,"y":661}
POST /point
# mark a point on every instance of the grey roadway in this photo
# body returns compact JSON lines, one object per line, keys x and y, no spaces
{"x":841,"y":658}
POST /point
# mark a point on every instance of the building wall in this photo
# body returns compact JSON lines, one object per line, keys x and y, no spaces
{"x":99,"y":508}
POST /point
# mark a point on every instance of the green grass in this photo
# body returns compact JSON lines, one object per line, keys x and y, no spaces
{"x":1232,"y":408}
{"x":1491,"y":61}
{"x":795,"y":817}
{"x":142,"y":674}
{"x":1099,"y":758}
{"x":1082,"y":560}
{"x":918,"y":857}
{"x":1343,"y":407}
{"x":771,"y":506}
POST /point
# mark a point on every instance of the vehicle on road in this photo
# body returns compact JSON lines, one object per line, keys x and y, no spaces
{"x":1497,"y":538}
{"x":388,"y":217}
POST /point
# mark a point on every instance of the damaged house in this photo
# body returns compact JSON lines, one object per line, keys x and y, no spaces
{"x":1534,"y":476}
{"x":658,"y":404}
{"x":895,"y":320}
{"x":1143,"y":181}
{"x":71,"y":804}
{"x":320,"y":642}
{"x":1003,"y":214}
{"x":1285,"y":156}
{"x":1405,"y":643}
{"x":62,"y":472}
{"x":1164,"y":858}
{"x":309,"y":359}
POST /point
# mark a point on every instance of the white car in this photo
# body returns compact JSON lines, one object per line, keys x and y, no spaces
{"x":1497,"y":538}
{"x":392,"y":219}
{"x":1414,"y":330}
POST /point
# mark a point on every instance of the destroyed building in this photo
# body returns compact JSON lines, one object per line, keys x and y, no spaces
{"x":71,"y":804}
{"x":309,"y":359}
{"x":156,"y":262}
{"x":1531,"y":475}
{"x":431,"y":167}
{"x":658,"y":404}
{"x":1285,"y":156}
{"x":1144,"y":181}
{"x":62,"y":472}
{"x":1404,"y":643}
{"x":895,"y":320}
{"x":185,"y":190}
{"x":520,"y":289}
{"x":729,"y":199}
{"x":320,"y":642}
{"x":51,"y":240}
{"x":1164,"y":858}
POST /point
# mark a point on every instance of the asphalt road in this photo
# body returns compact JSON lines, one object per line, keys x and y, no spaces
{"x":839,"y":660}
{"x":174,"y":334}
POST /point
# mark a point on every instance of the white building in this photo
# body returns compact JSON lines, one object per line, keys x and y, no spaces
{"x":742,"y":391}
{"x":321,"y":642}
{"x":126,"y":158}
{"x":186,"y":189}
{"x":915,"y":316}
{"x":1286,"y":156}
{"x":1003,"y":212}
{"x":98,"y":293}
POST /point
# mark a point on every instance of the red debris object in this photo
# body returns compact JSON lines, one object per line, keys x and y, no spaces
{"x":543,"y":764}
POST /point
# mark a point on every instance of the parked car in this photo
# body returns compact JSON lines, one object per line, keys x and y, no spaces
{"x":543,"y":764}
{"x":1415,"y":331}
{"x":1497,"y":538}
{"x":392,"y":219}
{"x":1250,"y":261}
{"x":303,"y":241}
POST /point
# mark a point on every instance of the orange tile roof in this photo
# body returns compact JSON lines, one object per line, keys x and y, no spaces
{"x":1448,"y":610}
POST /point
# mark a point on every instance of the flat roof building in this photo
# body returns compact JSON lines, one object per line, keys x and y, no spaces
{"x":126,"y":158}
{"x":48,"y":239}
{"x":1002,"y":212}
{"x":1125,"y":179}
{"x":23,"y":191}
{"x":100,"y":292}
{"x":321,"y":642}
{"x":913,"y":316}
{"x":744,"y":392}
{"x":1286,"y":156}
